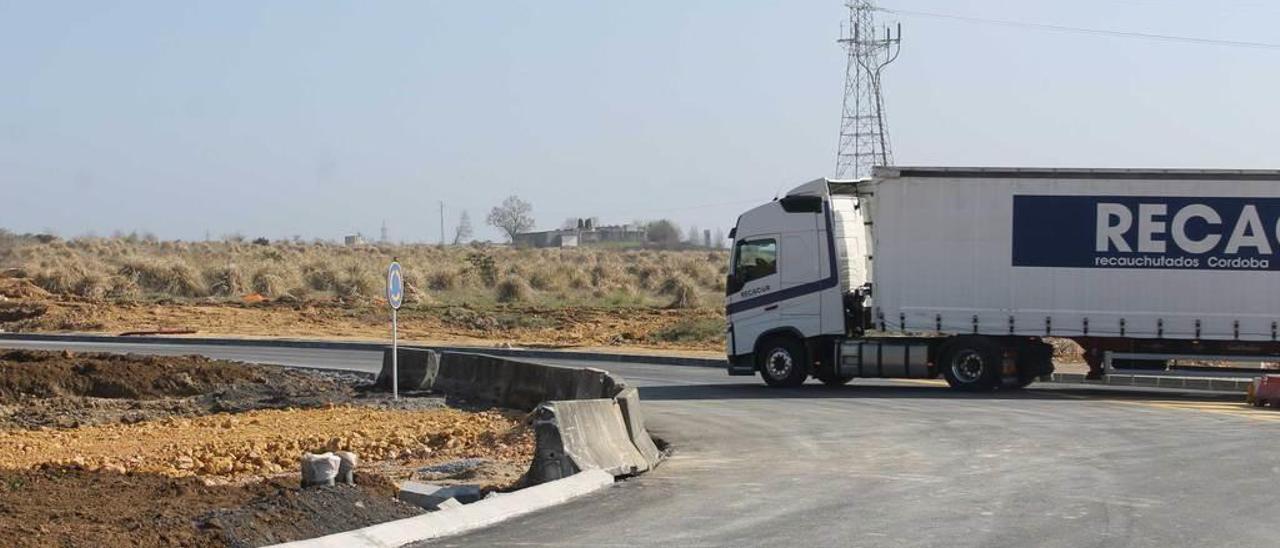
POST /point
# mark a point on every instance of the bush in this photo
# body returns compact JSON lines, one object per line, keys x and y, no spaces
{"x":356,"y":282}
{"x":513,"y":290}
{"x":683,"y":293}
{"x":543,"y":281}
{"x":484,"y":267}
{"x":443,"y":280}
{"x":224,"y":281}
{"x":170,"y":278}
{"x":91,"y":286}
{"x":320,"y":277}
{"x":122,"y":288}
{"x":269,"y":282}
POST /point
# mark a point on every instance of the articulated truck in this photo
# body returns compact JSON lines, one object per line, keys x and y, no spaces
{"x":920,"y":272}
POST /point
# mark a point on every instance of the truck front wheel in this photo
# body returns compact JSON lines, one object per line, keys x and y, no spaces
{"x":972,"y":364}
{"x":782,"y":362}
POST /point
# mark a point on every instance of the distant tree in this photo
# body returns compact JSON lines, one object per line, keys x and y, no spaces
{"x":261,"y":241}
{"x":695,"y":237}
{"x":462,"y":234}
{"x":513,"y":216}
{"x":663,"y":232}
{"x":569,"y":224}
{"x":719,"y":239}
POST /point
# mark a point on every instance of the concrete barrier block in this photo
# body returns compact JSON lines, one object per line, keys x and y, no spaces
{"x":633,"y":416}
{"x":431,"y":497}
{"x":519,"y":384}
{"x":417,"y":369}
{"x":572,"y":436}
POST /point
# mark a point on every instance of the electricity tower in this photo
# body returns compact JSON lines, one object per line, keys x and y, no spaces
{"x":864,"y":135}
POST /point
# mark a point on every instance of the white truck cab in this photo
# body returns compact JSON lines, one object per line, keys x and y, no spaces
{"x":799,"y":301}
{"x":794,"y":263}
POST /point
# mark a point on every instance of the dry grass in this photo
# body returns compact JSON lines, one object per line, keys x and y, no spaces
{"x":136,"y":269}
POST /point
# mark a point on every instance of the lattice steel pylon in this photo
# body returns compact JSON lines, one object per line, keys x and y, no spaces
{"x":864,"y":136}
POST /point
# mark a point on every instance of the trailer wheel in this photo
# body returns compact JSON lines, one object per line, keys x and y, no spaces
{"x":972,"y":364}
{"x":782,"y":361}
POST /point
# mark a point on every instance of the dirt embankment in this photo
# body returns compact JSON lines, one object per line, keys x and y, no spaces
{"x":69,"y":390}
{"x":27,"y":308}
{"x":103,"y":450}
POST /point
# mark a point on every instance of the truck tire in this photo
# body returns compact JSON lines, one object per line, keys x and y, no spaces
{"x":782,"y":361}
{"x":972,"y":364}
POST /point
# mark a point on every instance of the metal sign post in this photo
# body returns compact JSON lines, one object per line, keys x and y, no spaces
{"x":395,"y":297}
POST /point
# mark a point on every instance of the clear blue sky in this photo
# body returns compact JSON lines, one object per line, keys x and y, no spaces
{"x":323,"y":118}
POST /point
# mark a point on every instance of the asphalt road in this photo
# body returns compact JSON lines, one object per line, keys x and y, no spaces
{"x":882,"y":463}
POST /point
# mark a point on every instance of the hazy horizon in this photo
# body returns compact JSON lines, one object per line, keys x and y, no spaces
{"x":325,"y":119}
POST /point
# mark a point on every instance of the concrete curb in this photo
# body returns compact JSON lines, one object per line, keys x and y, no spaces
{"x":356,"y":345}
{"x":467,"y":518}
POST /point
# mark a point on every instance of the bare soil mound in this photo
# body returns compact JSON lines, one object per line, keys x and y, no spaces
{"x":82,"y":508}
{"x":291,"y":514}
{"x":62,"y":389}
{"x":111,"y":450}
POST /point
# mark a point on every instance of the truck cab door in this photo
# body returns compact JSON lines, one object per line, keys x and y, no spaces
{"x":753,"y":278}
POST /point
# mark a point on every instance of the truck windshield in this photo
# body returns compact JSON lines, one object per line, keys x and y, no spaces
{"x":755,"y":259}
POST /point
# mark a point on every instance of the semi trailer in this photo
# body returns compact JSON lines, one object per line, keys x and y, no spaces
{"x":921,"y":272}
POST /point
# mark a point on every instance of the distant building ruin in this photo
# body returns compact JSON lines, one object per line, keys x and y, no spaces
{"x":587,"y":233}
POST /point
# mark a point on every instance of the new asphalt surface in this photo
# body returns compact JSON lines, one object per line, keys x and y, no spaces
{"x":901,"y":463}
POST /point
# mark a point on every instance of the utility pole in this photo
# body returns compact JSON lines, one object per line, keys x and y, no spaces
{"x":864,"y":135}
{"x":442,"y":222}
{"x":383,"y":239}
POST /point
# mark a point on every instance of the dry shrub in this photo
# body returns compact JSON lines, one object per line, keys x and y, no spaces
{"x":683,"y":292}
{"x":172,"y":278}
{"x":224,"y":281}
{"x":701,"y":273}
{"x":513,"y":290}
{"x":602,"y":275}
{"x":269,"y":282}
{"x":356,"y":282}
{"x":543,"y":281}
{"x":444,"y":280}
{"x":320,"y":277}
{"x":91,"y":286}
{"x":57,"y":279}
{"x":647,"y":276}
{"x":122,"y":288}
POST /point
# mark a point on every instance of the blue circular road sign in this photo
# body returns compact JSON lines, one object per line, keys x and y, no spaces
{"x":395,"y":286}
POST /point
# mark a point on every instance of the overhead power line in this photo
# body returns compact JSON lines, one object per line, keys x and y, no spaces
{"x":1097,"y":32}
